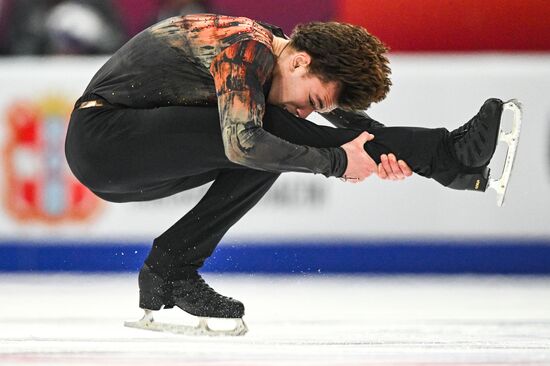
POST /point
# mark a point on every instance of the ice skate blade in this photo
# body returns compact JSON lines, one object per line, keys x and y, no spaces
{"x":202,"y":329}
{"x":511,"y":139}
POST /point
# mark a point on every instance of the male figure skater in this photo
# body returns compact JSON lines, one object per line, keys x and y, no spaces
{"x":206,"y":97}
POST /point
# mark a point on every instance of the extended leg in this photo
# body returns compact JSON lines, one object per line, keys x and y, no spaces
{"x":458,"y":160}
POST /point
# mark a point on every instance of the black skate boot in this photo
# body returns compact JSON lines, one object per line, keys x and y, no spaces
{"x":474,"y":144}
{"x":192,"y":295}
{"x":155,"y":293}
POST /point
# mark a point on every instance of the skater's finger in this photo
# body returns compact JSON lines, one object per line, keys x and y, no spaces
{"x":381,"y":172}
{"x":386,"y":165}
{"x":407,"y":171}
{"x":396,"y":170}
{"x":364,"y":137}
{"x":387,"y":168}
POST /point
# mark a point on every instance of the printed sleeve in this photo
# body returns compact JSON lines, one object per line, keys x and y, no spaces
{"x":239,"y":73}
{"x":357,"y":120}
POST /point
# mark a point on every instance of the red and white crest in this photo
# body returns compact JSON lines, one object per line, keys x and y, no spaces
{"x":39,"y":184}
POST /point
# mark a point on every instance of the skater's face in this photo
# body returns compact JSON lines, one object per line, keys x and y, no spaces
{"x":300,"y":92}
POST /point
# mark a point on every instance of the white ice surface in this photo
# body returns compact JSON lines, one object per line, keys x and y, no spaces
{"x":314,"y":320}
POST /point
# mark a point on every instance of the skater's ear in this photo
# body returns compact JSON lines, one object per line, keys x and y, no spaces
{"x":300,"y":59}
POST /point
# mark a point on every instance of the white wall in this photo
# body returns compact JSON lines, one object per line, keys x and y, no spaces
{"x":429,"y":91}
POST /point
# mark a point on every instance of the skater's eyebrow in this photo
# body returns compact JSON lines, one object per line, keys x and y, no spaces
{"x":325,"y":104}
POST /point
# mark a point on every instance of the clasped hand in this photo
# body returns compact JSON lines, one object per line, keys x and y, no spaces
{"x":361,"y":165}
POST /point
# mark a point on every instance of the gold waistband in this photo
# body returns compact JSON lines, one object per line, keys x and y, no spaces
{"x":90,"y":104}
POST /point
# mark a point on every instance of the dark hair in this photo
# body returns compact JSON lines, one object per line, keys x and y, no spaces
{"x":348,"y":55}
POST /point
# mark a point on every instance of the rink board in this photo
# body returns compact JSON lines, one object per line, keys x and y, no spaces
{"x":305,"y":257}
{"x":47,"y":222}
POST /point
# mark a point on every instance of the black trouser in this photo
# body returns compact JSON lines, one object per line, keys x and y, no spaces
{"x":127,"y":155}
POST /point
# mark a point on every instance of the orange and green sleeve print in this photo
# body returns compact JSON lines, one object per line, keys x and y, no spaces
{"x":239,"y":73}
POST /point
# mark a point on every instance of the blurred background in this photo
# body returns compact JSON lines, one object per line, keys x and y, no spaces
{"x":447,"y":56}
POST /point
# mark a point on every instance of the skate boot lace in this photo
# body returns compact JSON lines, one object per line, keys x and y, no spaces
{"x":469,"y":128}
{"x":197,"y":287}
{"x":470,"y":138}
